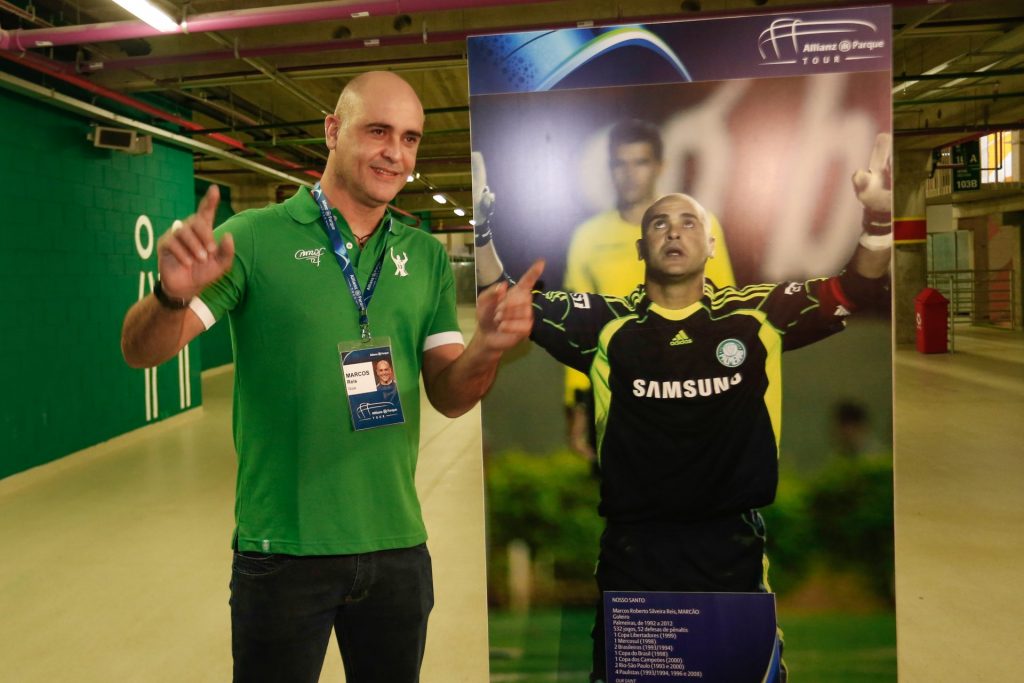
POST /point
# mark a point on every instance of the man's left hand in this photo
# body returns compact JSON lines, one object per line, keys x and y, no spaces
{"x":505,"y":314}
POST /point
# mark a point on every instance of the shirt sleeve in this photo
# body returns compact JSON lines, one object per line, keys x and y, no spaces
{"x":229,"y":291}
{"x":444,"y":327}
{"x":804,"y":312}
{"x":567,"y":325}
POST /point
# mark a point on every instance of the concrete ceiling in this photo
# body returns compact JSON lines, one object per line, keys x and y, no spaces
{"x":958,"y":70}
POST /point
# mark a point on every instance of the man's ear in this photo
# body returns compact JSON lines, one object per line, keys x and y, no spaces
{"x":711,"y":246}
{"x":640,"y":249}
{"x":331,"y":126}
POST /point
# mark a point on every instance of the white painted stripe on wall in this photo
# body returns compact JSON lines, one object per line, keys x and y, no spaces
{"x":156,"y":396}
{"x":181,"y":379}
{"x":149,"y":397}
{"x":188,"y":377}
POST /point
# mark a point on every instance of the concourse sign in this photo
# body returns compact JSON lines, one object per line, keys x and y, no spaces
{"x":967,"y":158}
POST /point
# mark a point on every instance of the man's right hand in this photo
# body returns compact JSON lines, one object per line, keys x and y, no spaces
{"x":188,"y":257}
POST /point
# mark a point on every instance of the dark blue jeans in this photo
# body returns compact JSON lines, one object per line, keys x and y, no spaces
{"x":283,"y":608}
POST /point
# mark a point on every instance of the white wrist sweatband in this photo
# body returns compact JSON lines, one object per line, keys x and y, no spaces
{"x":876,"y":242}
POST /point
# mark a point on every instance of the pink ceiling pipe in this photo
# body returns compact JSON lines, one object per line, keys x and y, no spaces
{"x":23,"y":39}
{"x":432,"y":37}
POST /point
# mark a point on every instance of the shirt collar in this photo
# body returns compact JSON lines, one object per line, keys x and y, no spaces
{"x":303,"y":209}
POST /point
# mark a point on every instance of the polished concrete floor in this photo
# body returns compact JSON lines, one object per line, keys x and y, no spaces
{"x":959,"y":487}
{"x":116,"y":561}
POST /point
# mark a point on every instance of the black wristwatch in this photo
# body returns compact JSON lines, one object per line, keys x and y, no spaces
{"x":170,"y":302}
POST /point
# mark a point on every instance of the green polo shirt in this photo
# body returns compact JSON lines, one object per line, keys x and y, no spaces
{"x":308,"y":484}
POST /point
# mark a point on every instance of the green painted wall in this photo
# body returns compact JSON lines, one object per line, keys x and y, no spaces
{"x":69,"y":269}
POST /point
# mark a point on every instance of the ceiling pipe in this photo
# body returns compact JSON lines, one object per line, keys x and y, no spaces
{"x":41,"y":64}
{"x":983,"y":129}
{"x":23,"y":39}
{"x":38,"y":63}
{"x":22,"y":14}
{"x":312,"y":122}
{"x":231,"y":20}
{"x":273,"y":51}
{"x":942,"y":76}
{"x":299,"y":142}
{"x":297,"y":73}
{"x":38,"y":21}
{"x":99,"y":114}
{"x":351,"y":44}
{"x":285,"y":83}
{"x":914,"y":24}
{"x":233,"y":113}
{"x":962,"y":98}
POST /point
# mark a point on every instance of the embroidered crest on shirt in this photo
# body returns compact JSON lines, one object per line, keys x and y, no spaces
{"x":311,"y":255}
{"x":731,"y":353}
{"x":400,"y":262}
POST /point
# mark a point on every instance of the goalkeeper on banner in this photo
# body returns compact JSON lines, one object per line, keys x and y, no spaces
{"x":687,"y":383}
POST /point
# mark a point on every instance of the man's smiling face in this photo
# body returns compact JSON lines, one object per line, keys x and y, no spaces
{"x":374,"y":141}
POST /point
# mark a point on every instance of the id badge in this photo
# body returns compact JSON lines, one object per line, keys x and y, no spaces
{"x":370,"y":383}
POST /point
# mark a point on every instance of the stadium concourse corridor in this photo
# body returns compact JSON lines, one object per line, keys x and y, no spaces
{"x":959,"y":425}
{"x":116,"y":559}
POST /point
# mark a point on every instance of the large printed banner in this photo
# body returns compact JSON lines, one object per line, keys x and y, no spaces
{"x":762,"y":119}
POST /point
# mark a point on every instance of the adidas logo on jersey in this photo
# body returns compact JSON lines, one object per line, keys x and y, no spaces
{"x":680,"y":339}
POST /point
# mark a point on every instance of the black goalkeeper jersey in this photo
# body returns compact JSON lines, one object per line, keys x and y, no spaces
{"x":688,"y":403}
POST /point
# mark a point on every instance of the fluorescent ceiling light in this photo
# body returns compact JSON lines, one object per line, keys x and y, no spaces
{"x":459,"y":212}
{"x":472,"y":221}
{"x":930,"y":72}
{"x":961,"y":80}
{"x":150,"y":14}
{"x":409,"y":178}
{"x":439,"y":198}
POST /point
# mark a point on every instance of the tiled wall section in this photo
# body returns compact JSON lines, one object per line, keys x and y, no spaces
{"x":69,"y":269}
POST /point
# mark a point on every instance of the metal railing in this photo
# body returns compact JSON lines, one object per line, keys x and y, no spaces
{"x":977,"y":297}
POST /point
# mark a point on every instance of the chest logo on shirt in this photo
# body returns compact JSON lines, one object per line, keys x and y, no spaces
{"x":680,"y":339}
{"x":691,"y":388}
{"x":311,"y":255}
{"x":400,"y":261}
{"x":731,"y":353}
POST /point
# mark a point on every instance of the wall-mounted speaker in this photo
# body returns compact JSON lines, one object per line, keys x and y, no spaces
{"x":121,"y":139}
